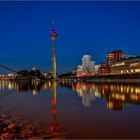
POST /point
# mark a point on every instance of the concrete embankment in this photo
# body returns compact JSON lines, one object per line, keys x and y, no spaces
{"x":103,"y":80}
{"x":113,"y":80}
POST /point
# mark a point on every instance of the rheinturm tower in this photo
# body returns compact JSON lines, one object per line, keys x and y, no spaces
{"x":53,"y":35}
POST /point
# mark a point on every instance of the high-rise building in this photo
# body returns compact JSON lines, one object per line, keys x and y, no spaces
{"x":104,"y":69}
{"x":91,"y":67}
{"x":97,"y":68}
{"x":53,"y":35}
{"x":79,"y":70}
{"x":126,"y":66}
{"x":113,"y":56}
{"x":85,"y":60}
{"x":87,"y":67}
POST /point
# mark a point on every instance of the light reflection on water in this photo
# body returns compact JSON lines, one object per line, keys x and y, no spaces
{"x":74,"y":110}
{"x":116,"y":94}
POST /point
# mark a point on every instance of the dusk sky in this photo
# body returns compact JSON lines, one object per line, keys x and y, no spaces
{"x":92,"y":28}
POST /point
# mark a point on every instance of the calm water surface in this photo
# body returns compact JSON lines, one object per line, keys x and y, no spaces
{"x":72,"y":110}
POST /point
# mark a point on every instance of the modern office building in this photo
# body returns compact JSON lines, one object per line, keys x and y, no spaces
{"x":85,"y":60}
{"x":97,"y":68}
{"x":87,"y":66}
{"x":116,"y":64}
{"x":104,"y":69}
{"x":126,"y":66}
{"x":91,"y":67}
{"x":79,"y":70}
{"x":113,"y":56}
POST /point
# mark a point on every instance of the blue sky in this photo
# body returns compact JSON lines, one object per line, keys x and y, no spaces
{"x":83,"y":28}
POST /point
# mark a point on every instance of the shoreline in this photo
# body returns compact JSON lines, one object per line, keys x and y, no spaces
{"x":114,"y":80}
{"x":97,"y":80}
{"x":102,"y":80}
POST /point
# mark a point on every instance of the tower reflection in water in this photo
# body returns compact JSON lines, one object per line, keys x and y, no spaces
{"x":116,"y":95}
{"x":54,"y":130}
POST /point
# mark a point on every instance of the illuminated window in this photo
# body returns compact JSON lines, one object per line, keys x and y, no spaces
{"x":121,"y":71}
{"x":118,"y":64}
{"x":137,"y":70}
{"x":135,"y":64}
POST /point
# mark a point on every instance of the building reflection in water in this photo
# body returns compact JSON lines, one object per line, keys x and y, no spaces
{"x":116,"y":95}
{"x":33,"y":86}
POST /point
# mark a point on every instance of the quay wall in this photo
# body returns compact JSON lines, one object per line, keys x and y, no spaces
{"x":101,"y":80}
{"x":113,"y":80}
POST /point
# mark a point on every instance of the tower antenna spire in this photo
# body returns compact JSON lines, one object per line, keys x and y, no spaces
{"x":53,"y":23}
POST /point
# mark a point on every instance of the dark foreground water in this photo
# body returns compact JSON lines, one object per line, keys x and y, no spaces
{"x":69,"y":110}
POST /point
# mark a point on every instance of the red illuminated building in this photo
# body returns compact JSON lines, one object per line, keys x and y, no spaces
{"x":113,"y":56}
{"x":104,"y":69}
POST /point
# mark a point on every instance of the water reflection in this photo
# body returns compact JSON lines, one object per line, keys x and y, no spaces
{"x":54,"y":129}
{"x":12,"y":127}
{"x":33,"y":86}
{"x":71,"y":114}
{"x":116,"y":95}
